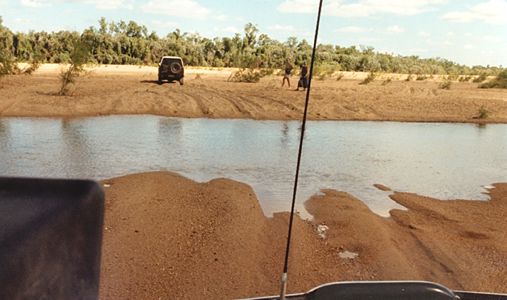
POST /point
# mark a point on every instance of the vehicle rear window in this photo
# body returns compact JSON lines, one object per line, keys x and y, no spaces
{"x":168,"y":61}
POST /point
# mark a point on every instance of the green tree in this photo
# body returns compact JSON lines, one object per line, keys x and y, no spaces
{"x":132,"y":43}
{"x":78,"y":57}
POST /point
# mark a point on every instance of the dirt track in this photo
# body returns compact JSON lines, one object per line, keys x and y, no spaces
{"x":167,"y":237}
{"x":132,"y":90}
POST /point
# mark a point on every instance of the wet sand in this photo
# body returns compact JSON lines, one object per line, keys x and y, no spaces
{"x":168,"y":237}
{"x":107,"y":90}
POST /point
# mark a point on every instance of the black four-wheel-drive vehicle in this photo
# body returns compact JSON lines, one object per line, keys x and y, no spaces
{"x":171,"y":68}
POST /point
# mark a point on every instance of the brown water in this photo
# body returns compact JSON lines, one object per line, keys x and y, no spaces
{"x":439,"y":160}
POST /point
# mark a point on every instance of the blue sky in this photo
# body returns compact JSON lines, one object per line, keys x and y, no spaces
{"x":469,"y":32}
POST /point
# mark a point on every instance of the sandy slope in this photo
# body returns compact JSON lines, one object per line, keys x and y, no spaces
{"x":167,"y":237}
{"x":132,"y":90}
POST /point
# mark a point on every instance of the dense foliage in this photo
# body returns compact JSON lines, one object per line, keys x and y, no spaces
{"x":499,"y":82}
{"x":131,"y":43}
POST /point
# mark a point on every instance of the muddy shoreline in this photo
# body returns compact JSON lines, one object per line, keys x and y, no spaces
{"x":133,"y":90}
{"x":168,"y":235}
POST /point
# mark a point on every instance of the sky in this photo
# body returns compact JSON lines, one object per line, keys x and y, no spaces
{"x":471,"y":32}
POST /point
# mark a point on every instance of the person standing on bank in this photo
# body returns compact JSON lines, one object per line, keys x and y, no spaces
{"x":303,"y":80}
{"x":287,"y":73}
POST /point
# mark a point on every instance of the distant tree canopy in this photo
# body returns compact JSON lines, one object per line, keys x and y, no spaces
{"x":131,"y":43}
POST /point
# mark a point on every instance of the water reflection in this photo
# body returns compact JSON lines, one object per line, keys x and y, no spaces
{"x":440,"y":160}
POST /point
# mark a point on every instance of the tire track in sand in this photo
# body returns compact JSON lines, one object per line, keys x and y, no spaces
{"x":199,"y":103}
{"x":238,"y":108}
{"x":288,"y":106}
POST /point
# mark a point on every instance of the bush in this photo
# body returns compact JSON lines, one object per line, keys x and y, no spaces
{"x":267,"y":71}
{"x":32,"y":66}
{"x":371,"y":77}
{"x":446,"y":85}
{"x":322,"y":76}
{"x":480,"y":78}
{"x":483,"y":113}
{"x":325,"y":70}
{"x":248,"y":75}
{"x":339,"y":77}
{"x":77,"y":59}
{"x":409,"y":77}
{"x":452,"y":77}
{"x":387,"y":81}
{"x":465,"y":78}
{"x":8,"y":64}
{"x":499,"y":82}
{"x":421,"y":77}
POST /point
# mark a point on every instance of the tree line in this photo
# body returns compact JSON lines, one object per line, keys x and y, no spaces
{"x":131,"y":43}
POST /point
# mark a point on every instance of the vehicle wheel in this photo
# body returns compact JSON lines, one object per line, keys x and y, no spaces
{"x":181,"y":81}
{"x":159,"y":81}
{"x":176,"y":67}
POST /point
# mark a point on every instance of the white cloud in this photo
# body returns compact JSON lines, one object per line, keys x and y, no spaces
{"x":492,"y":38}
{"x":221,"y":17}
{"x":35,"y":3}
{"x":361,"y":8}
{"x":423,"y":34}
{"x":417,"y":50}
{"x":110,"y":4}
{"x":179,"y":8}
{"x":493,"y":11}
{"x":352,"y":29}
{"x":298,"y":6}
{"x":395,"y":29}
{"x":278,"y":27}
{"x":99,"y":4}
{"x":227,"y":29}
{"x":21,"y":21}
{"x":164,"y":24}
{"x":468,"y":46}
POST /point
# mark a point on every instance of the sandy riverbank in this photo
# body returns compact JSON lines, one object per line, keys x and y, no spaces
{"x":109,"y":90}
{"x":169,"y":237}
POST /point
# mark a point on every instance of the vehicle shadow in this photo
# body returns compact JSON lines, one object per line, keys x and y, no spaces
{"x":151,"y":81}
{"x":157,"y":82}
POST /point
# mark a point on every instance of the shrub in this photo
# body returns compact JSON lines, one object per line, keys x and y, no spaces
{"x":421,"y":77}
{"x":371,"y":77}
{"x":32,"y":66}
{"x":464,"y":78}
{"x":480,"y":78}
{"x":267,"y":71}
{"x":452,"y":77}
{"x":77,"y":59}
{"x":483,"y":113}
{"x":387,"y":81}
{"x":325,"y":70}
{"x":7,"y":63}
{"x":499,"y":82}
{"x":247,"y":75}
{"x":446,"y":85}
{"x":339,"y":77}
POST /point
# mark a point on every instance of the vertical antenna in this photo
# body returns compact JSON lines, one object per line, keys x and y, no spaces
{"x":284,"y":278}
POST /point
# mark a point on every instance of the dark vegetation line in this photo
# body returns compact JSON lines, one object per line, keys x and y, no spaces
{"x":131,"y":43}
